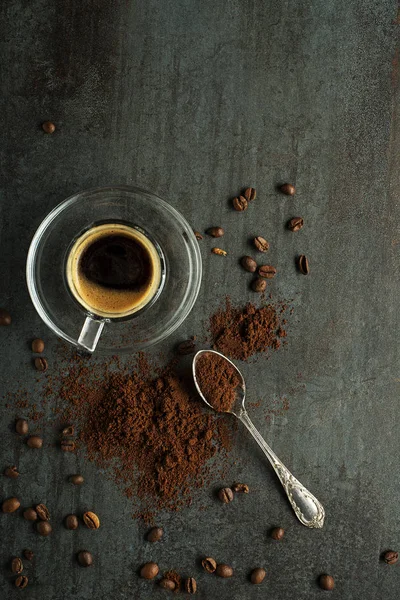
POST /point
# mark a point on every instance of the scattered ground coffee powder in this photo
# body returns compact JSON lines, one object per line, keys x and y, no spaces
{"x":242,"y":332}
{"x":218,"y":381}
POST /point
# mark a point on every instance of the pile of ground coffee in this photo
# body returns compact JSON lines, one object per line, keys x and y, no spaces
{"x":218,"y":381}
{"x":241,"y":332}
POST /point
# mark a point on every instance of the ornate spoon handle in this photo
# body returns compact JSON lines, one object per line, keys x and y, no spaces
{"x":307,"y":508}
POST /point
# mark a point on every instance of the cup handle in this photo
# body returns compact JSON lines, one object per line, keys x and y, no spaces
{"x":90,"y":334}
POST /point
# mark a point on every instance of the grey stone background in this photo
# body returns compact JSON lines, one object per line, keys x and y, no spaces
{"x":195,"y":100}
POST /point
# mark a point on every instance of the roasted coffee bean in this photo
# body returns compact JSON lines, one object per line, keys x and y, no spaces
{"x":248,"y":263}
{"x":34,"y":441}
{"x":288,"y":189}
{"x":76,"y":479}
{"x":219,"y":251}
{"x":149,"y":570}
{"x":21,"y":582}
{"x":225,"y":495}
{"x":215,"y":232}
{"x":167,"y":584}
{"x":261,"y":244}
{"x":5,"y":317}
{"x":241,"y":487}
{"x":186,"y":347}
{"x":155,"y":534}
{"x":11,"y":472}
{"x":190,"y":585}
{"x":259,"y":285}
{"x":326,"y":582}
{"x":40,"y":363}
{"x":240,"y":203}
{"x":71,"y":522}
{"x":28,"y":554}
{"x":30,"y":514}
{"x":250,"y":194}
{"x":22,"y":427}
{"x":38,"y":346}
{"x":44,"y":528}
{"x":209,"y":564}
{"x":67,"y":445}
{"x":224,"y":571}
{"x":85,"y":559}
{"x":277,"y":533}
{"x":390,"y":557}
{"x":296,"y":223}
{"x":10,"y":505}
{"x":266,"y":271}
{"x":303,"y":264}
{"x":198,"y":235}
{"x":257,"y":576}
{"x":68,"y":431}
{"x":91,"y":520}
{"x":48,"y":127}
{"x":42,"y":512}
{"x":16,"y":565}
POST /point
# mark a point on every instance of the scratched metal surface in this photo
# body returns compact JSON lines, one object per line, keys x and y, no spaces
{"x":194,"y":100}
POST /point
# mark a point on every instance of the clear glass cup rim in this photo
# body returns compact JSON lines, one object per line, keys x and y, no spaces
{"x":76,"y":198}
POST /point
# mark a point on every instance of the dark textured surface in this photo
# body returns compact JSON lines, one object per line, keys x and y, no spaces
{"x":195,"y":100}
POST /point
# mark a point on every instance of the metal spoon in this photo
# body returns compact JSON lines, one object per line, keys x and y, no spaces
{"x":307,"y":508}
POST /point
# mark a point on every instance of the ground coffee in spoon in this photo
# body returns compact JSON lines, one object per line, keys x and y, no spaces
{"x":218,"y":381}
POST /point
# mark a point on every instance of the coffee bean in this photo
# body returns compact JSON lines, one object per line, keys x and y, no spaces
{"x":218,"y":251}
{"x":224,"y":571}
{"x":16,"y":565}
{"x":10,"y":505}
{"x":257,"y":576}
{"x":48,"y":127}
{"x":190,"y":585}
{"x":303,"y":264}
{"x":250,"y":194}
{"x":225,"y":495}
{"x":85,"y":559}
{"x":28,"y":554}
{"x":21,"y":582}
{"x":288,"y":189}
{"x":209,"y":564}
{"x":295,"y":224}
{"x":215,"y":232}
{"x":149,"y":570}
{"x":76,"y":479}
{"x":248,"y":263}
{"x":40,"y":363}
{"x":38,"y":346}
{"x":42,"y":512}
{"x":259,"y":285}
{"x":5,"y":317}
{"x":30,"y":514}
{"x":241,"y":487}
{"x":261,"y":244}
{"x":266,"y":271}
{"x":68,"y":431}
{"x":22,"y":427}
{"x":390,"y":557}
{"x":44,"y":528}
{"x":326,"y":582}
{"x":198,"y":235}
{"x":167,"y":584}
{"x":71,"y":522}
{"x":240,"y":203}
{"x":11,"y":472}
{"x":277,"y":533}
{"x":186,"y":347}
{"x":155,"y":534}
{"x":91,"y":520}
{"x":67,"y":445}
{"x":34,"y":441}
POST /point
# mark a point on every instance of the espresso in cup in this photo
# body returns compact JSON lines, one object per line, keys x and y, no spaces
{"x":113,"y":270}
